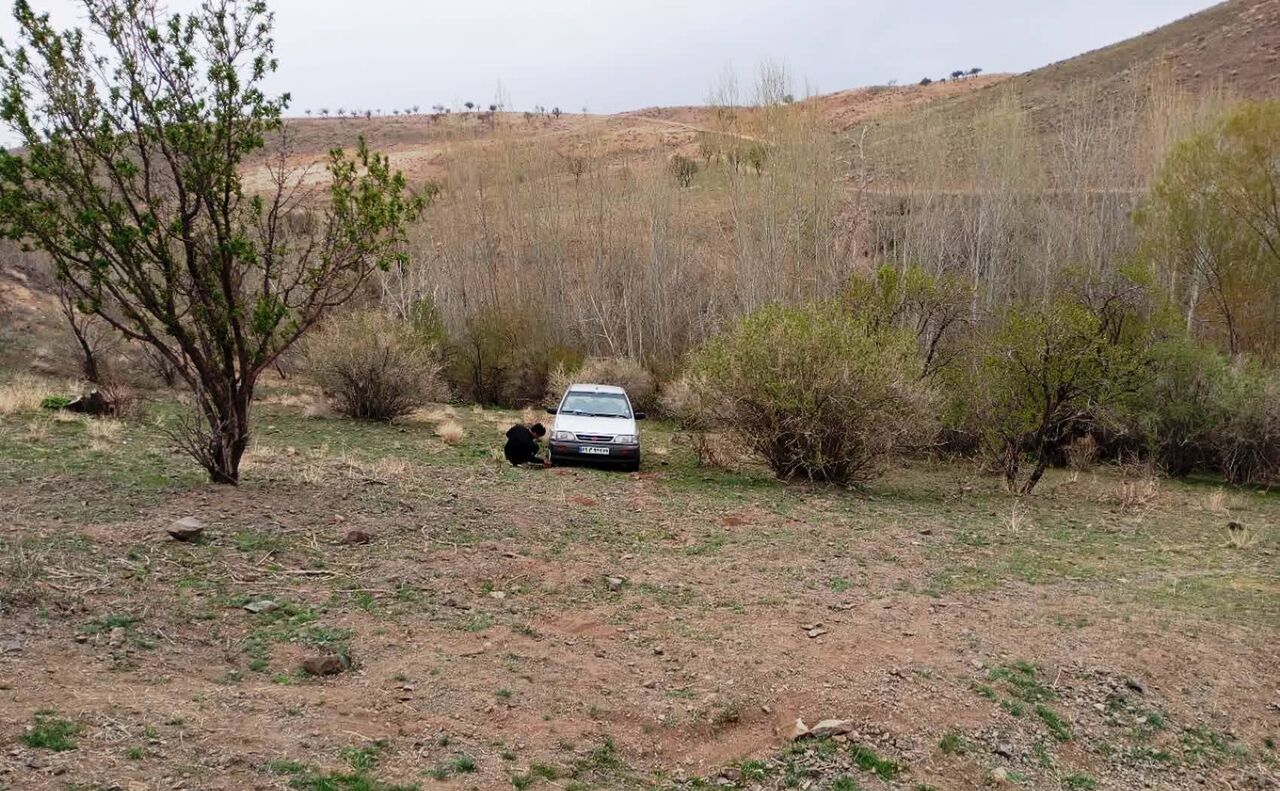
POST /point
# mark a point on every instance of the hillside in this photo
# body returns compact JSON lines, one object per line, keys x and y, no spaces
{"x":1233,"y":47}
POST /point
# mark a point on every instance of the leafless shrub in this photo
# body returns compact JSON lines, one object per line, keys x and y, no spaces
{"x":373,"y":367}
{"x":679,"y":401}
{"x":1082,"y":453}
{"x":713,"y":450}
{"x":622,"y":372}
{"x":1139,"y":487}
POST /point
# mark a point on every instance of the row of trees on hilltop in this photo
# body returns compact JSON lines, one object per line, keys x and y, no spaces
{"x":958,"y":74}
{"x":437,"y":111}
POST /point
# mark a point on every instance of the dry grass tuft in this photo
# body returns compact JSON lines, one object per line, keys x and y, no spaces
{"x":1137,"y":496}
{"x":317,"y":407}
{"x":104,"y":433}
{"x":1241,"y":536}
{"x":1216,"y":503}
{"x":529,"y":416}
{"x":22,"y":394}
{"x":451,"y":431}
{"x":436,"y":415}
{"x":1082,"y":453}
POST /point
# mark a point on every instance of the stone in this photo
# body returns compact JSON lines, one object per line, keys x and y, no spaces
{"x":831,"y":728}
{"x":615,"y":583}
{"x":116,"y":636}
{"x":1135,"y":685}
{"x":1000,"y":775}
{"x":817,"y":632}
{"x":265,"y":605}
{"x":497,"y":594}
{"x":188,"y":528}
{"x":328,"y":665}
{"x":356,"y":538}
{"x":1003,"y":750}
{"x":12,"y":645}
{"x":799,"y":730}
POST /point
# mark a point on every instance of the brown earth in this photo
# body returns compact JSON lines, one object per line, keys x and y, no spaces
{"x":481,"y":620}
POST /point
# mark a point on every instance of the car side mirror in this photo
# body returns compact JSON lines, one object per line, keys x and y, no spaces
{"x":640,"y":416}
{"x":551,"y":410}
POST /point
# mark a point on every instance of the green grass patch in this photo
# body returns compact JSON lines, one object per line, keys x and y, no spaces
{"x":866,"y":759}
{"x":953,"y":742}
{"x":48,"y":731}
{"x":1055,"y":723}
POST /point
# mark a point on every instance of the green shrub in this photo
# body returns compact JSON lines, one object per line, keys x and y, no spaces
{"x":1247,"y":440}
{"x":1042,"y":375}
{"x":815,"y":390}
{"x":54,"y":402}
{"x":374,"y":367}
{"x":1183,"y":404}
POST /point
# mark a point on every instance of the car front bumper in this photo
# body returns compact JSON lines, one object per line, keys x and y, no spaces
{"x":578,"y":451}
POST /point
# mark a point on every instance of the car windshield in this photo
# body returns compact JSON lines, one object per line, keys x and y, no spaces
{"x":595,"y":404}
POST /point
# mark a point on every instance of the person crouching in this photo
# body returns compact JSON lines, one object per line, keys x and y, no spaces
{"x":522,"y":444}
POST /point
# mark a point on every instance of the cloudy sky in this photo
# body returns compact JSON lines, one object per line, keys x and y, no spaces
{"x":609,"y":55}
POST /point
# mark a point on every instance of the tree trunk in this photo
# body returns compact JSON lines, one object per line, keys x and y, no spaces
{"x":1041,"y":464}
{"x":228,"y":435}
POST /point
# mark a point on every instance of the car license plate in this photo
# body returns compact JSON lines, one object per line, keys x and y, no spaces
{"x":589,"y":451}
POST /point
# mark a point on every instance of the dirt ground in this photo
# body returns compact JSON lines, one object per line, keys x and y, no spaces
{"x":580,"y":628}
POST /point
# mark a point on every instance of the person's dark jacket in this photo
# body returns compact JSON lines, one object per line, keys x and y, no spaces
{"x":521,"y":447}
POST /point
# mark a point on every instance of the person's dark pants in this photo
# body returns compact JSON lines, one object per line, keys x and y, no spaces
{"x":516,"y":458}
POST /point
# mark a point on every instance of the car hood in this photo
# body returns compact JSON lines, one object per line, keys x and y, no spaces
{"x":581,"y":424}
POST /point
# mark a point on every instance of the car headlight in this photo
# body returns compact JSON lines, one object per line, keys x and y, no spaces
{"x":563,"y":436}
{"x":626,"y":439}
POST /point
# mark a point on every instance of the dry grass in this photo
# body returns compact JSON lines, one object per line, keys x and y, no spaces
{"x":1137,"y":496}
{"x":451,"y":431}
{"x":318,"y":406}
{"x":103,"y":433}
{"x":437,"y":414}
{"x":1241,"y":536}
{"x":22,"y":394}
{"x":1082,"y":453}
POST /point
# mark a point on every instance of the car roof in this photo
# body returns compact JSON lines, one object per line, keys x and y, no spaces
{"x":590,"y":388}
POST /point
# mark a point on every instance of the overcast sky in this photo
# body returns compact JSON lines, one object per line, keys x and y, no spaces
{"x":609,"y":55}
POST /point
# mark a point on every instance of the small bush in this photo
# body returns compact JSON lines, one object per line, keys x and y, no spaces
{"x":54,"y":402}
{"x":373,"y":367}
{"x":1183,"y":404}
{"x":622,"y":372}
{"x":683,"y":169}
{"x":499,"y":359}
{"x":451,"y":431}
{"x":1247,"y":440}
{"x":816,"y":391}
{"x":1044,"y":374}
{"x":1082,"y":453}
{"x":679,"y":401}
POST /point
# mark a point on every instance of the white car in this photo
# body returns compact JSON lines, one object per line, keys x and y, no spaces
{"x":596,"y":423}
